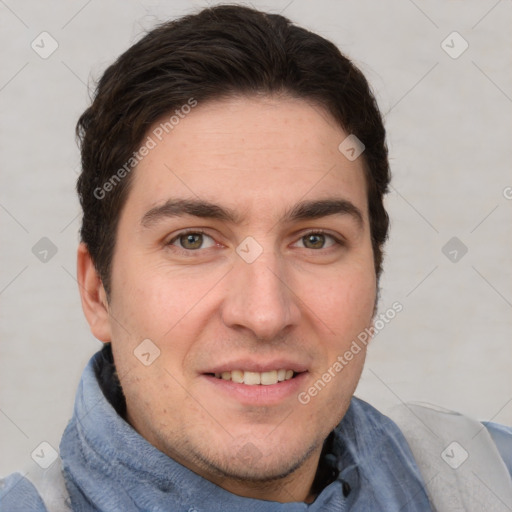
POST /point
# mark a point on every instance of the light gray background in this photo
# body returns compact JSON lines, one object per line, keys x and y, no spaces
{"x":449,"y":123}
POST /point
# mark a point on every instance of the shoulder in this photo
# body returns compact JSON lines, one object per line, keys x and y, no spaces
{"x":413,"y":421}
{"x":38,"y":491}
{"x":502,"y":437}
{"x":462,"y":460}
{"x":18,"y":494}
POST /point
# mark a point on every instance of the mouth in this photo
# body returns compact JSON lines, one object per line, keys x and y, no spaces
{"x":250,"y":378}
{"x":251,"y":384}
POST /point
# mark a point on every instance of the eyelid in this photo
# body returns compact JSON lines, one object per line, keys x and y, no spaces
{"x":195,"y":231}
{"x":338,"y":239}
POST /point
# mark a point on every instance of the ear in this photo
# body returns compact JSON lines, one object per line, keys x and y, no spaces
{"x":92,"y":293}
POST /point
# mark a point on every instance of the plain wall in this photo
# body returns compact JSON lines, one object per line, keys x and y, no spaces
{"x":449,"y":125}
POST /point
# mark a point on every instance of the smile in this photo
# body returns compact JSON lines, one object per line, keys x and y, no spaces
{"x":256,"y":378}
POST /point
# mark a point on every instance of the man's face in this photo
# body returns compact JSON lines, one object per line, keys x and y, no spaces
{"x":246,"y":269}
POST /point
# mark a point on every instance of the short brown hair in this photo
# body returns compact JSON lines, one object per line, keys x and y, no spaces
{"x":221,"y":51}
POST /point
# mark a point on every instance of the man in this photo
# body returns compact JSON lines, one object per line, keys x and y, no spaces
{"x":233,"y":173}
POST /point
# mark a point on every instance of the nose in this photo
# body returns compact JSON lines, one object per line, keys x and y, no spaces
{"x":260,"y":298}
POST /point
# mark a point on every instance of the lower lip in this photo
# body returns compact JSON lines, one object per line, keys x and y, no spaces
{"x":259,"y":394}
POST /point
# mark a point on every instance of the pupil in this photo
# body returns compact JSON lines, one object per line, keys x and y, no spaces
{"x":192,"y":241}
{"x":315,"y":241}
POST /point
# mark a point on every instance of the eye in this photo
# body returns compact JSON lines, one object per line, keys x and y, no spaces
{"x":318,"y":240}
{"x":192,"y":241}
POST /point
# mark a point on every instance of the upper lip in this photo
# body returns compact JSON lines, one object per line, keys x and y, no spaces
{"x":251,"y":365}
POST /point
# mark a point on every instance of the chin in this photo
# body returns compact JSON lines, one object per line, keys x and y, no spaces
{"x":256,"y":462}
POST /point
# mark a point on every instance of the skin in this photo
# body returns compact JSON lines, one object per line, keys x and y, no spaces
{"x":258,"y":156}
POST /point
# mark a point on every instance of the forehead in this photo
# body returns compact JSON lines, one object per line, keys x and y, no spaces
{"x":256,"y":154}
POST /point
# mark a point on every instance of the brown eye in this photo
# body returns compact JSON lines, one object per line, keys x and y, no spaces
{"x":314,"y":241}
{"x":192,"y":241}
{"x":318,"y":240}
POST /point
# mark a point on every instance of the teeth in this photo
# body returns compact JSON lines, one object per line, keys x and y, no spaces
{"x":255,"y":378}
{"x":237,"y":376}
{"x":252,"y":378}
{"x":269,"y":377}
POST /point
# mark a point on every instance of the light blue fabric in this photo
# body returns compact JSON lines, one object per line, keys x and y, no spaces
{"x":110,"y":467}
{"x":18,"y":494}
{"x":502,"y":437}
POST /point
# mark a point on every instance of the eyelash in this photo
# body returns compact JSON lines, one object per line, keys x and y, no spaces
{"x":187,"y":252}
{"x":337,"y":241}
{"x":198,"y":231}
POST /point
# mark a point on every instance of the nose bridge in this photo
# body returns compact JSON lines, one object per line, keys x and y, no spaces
{"x":258,"y":297}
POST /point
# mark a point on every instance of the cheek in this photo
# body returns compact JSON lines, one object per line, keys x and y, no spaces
{"x":165,"y":306}
{"x":149,"y":297}
{"x":346,"y":301}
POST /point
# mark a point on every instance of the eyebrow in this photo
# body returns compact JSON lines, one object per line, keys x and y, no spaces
{"x":204,"y":209}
